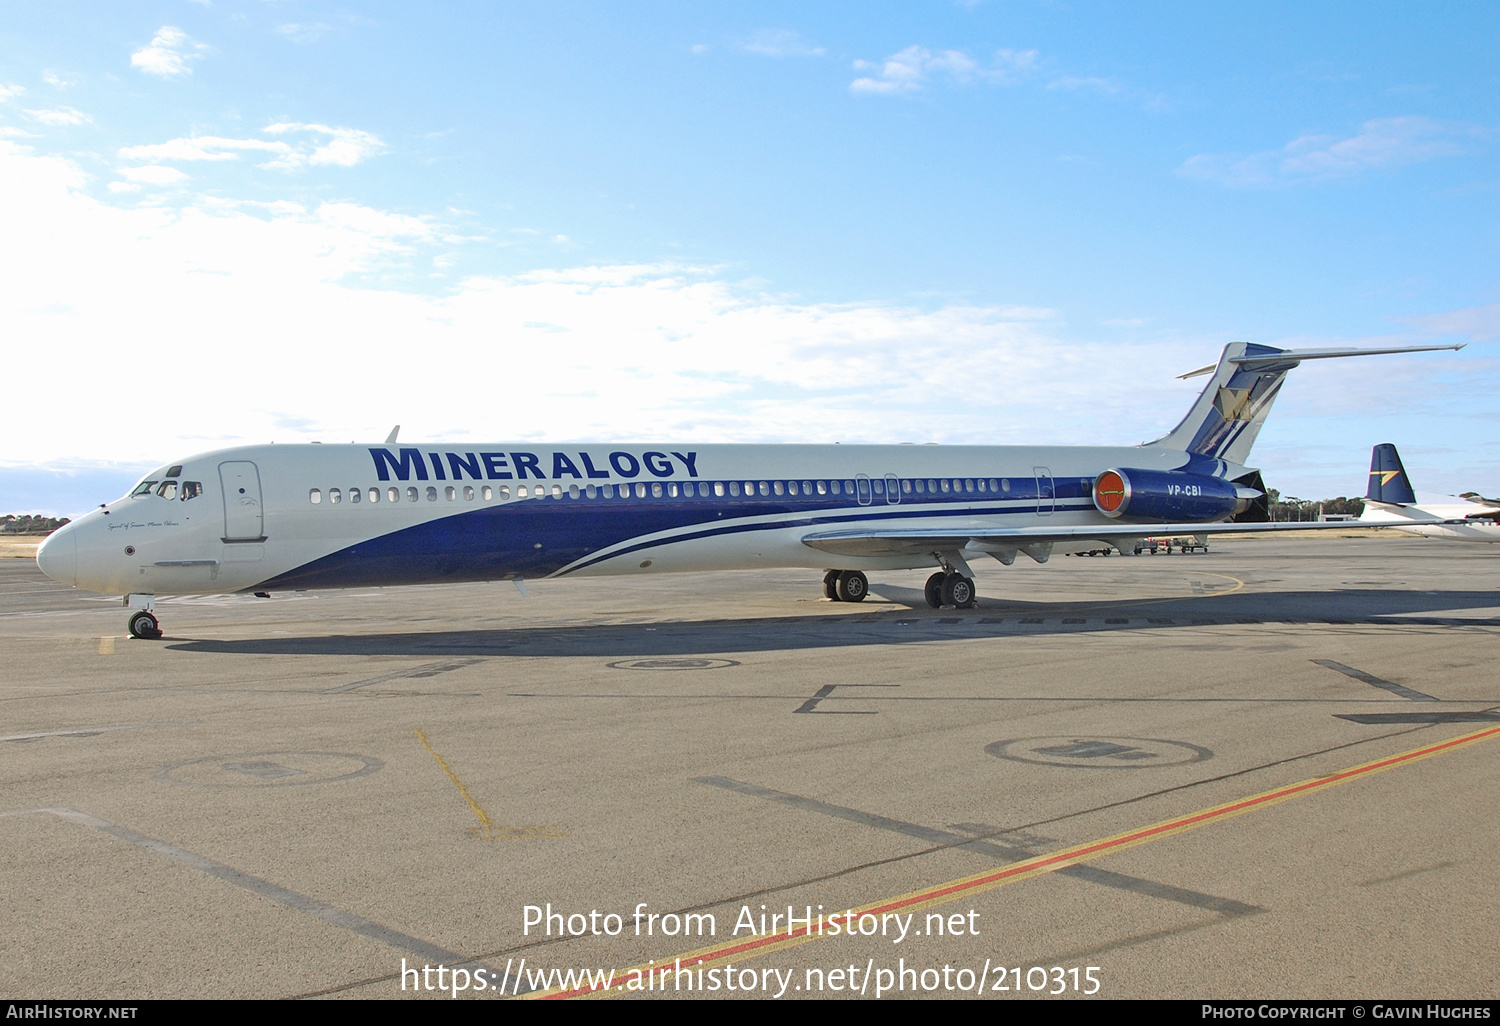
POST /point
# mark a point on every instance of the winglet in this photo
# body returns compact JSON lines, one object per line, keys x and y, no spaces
{"x":390,"y":439}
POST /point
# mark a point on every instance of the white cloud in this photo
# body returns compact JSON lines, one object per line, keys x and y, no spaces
{"x":152,"y":174}
{"x":1384,"y":142}
{"x":646,"y":351}
{"x":202,"y":147}
{"x":1475,"y":323}
{"x":341,"y":147}
{"x":778,"y":43}
{"x":60,"y":116}
{"x":916,"y":66}
{"x":56,"y":81}
{"x":168,"y":53}
{"x":7,"y":91}
{"x":345,"y":147}
{"x":303,"y":32}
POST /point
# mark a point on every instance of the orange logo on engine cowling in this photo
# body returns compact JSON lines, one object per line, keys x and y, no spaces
{"x":1109,"y":491}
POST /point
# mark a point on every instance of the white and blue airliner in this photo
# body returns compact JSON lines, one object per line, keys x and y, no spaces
{"x":268,"y":518}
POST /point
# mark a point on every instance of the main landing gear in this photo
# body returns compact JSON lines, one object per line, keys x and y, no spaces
{"x":145,"y":625}
{"x":845,"y":586}
{"x":947,"y":588}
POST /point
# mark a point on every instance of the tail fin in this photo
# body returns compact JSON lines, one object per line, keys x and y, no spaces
{"x":1388,"y":480}
{"x":1229,"y":412}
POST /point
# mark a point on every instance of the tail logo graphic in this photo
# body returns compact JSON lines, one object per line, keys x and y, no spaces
{"x":1234,"y":404}
{"x":1385,"y":475}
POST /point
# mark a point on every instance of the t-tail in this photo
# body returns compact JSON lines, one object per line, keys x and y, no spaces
{"x":1388,"y":480}
{"x":1232,"y":407}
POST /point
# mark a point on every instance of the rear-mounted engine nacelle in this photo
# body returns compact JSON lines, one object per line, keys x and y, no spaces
{"x":1164,"y":497}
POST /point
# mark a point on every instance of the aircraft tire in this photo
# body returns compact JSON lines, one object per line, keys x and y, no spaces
{"x":830,"y":585}
{"x":144,"y":625}
{"x":933,"y":590}
{"x":958,"y":591}
{"x":852,"y":586}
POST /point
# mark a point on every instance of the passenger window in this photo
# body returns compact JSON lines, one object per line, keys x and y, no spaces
{"x":334,"y":495}
{"x":777,"y":487}
{"x":968,"y":484}
{"x":994,"y":485}
{"x":191,"y":490}
{"x":981,"y":484}
{"x":833,"y":488}
{"x":504,"y":492}
{"x":878,"y":485}
{"x":486,"y":493}
{"x":450,"y":493}
{"x":411,"y":494}
{"x":144,"y":488}
{"x":168,"y":490}
{"x":822,"y":487}
{"x":749,"y":488}
{"x":1005,"y":484}
{"x":848,"y":487}
{"x":431,"y":494}
{"x":734,"y":489}
{"x":807,"y":488}
{"x":719,"y":488}
{"x":590,"y":492}
{"x":468,"y":493}
{"x":764,"y":489}
{"x":945,"y":484}
{"x":672,"y":489}
{"x":393,"y":494}
{"x":906,"y":486}
{"x":355,"y":495}
{"x":574,"y":491}
{"x":315,"y":496}
{"x":557,"y":491}
{"x":656,"y":489}
{"x":640,"y":491}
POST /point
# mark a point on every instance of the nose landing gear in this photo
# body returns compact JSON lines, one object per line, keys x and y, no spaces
{"x":144,"y":625}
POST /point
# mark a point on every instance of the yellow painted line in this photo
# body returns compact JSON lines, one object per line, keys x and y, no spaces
{"x":486,"y":830}
{"x":968,"y":886}
{"x":1238,"y":584}
{"x":107,"y":646}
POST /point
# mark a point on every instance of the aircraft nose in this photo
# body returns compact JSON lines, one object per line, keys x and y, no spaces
{"x":57,"y":557}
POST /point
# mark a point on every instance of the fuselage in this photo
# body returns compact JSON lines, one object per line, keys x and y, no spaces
{"x":294,"y":517}
{"x":1415,"y":519}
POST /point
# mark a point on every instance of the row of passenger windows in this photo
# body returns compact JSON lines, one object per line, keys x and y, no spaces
{"x":673,"y":489}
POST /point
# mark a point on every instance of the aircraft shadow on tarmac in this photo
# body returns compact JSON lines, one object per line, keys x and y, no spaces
{"x":993,"y":618}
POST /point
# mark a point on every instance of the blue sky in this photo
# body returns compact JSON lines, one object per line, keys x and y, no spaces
{"x":1000,"y":222}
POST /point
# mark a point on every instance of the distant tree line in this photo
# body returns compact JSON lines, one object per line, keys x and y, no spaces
{"x":1292,"y":508}
{"x":28,"y":524}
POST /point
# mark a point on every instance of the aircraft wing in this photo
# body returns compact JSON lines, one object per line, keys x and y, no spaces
{"x":1031,"y":540}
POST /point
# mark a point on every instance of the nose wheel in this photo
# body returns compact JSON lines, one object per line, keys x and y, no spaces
{"x":145,"y":626}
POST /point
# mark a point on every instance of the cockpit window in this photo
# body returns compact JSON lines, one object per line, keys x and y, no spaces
{"x":191,"y":490}
{"x":168,"y":490}
{"x":174,"y":472}
{"x":144,"y":488}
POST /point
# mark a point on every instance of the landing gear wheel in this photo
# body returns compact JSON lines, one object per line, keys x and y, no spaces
{"x":830,"y":585}
{"x":852,"y":586}
{"x":958,"y":591}
{"x":933,"y":589}
{"x":145,"y":626}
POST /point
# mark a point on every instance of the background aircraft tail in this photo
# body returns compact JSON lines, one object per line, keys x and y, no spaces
{"x":1388,"y":480}
{"x":1233,"y":405}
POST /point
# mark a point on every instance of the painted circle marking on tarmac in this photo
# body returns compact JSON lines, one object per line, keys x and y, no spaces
{"x":1074,"y":752}
{"x":268,"y":769}
{"x":671,"y":664}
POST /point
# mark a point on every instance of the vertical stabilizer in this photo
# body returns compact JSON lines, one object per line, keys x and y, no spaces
{"x":1233,"y":405}
{"x":1388,"y":481}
